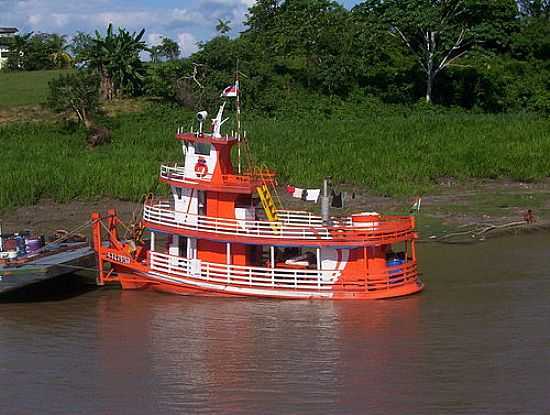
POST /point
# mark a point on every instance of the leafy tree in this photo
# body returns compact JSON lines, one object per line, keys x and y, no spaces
{"x":434,"y":31}
{"x":18,"y":47}
{"x":535,"y":8}
{"x":38,"y":51}
{"x":169,"y":49}
{"x":80,"y":45}
{"x":76,"y":93}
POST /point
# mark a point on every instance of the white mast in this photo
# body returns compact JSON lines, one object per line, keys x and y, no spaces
{"x":238,"y":103}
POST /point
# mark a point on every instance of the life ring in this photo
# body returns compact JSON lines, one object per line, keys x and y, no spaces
{"x":201,"y":169}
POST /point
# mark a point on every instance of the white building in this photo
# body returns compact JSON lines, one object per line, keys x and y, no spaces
{"x":5,"y":33}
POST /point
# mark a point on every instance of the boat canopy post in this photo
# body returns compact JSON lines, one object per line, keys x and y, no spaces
{"x":318,"y":259}
{"x":152,"y":242}
{"x":325,"y":203}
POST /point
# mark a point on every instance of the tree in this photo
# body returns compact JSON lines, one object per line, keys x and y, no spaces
{"x":18,"y":47}
{"x":38,"y":51}
{"x":80,"y":45}
{"x":76,"y":93}
{"x":59,"y":54}
{"x":115,"y":57}
{"x":169,"y":49}
{"x":434,"y":31}
{"x":155,"y":52}
{"x":535,"y":8}
{"x":223,"y":26}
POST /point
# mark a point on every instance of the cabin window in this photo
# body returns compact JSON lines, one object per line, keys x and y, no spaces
{"x":203,"y":149}
{"x":289,"y":257}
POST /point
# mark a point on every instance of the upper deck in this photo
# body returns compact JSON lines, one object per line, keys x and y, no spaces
{"x":196,"y":137}
{"x":246,"y":183}
{"x":293,"y":228}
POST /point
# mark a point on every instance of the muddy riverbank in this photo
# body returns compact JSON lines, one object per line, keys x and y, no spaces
{"x":455,"y":212}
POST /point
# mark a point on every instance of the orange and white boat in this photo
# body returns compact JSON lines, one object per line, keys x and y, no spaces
{"x":222,"y":234}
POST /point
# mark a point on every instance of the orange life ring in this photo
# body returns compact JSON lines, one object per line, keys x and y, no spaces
{"x":201,"y":169}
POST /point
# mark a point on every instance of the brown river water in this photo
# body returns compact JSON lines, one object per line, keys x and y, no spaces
{"x":476,"y":341}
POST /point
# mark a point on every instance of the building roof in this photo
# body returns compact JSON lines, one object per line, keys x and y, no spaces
{"x":8,"y":30}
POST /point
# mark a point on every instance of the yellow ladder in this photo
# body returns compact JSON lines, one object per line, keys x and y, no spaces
{"x":268,"y":203}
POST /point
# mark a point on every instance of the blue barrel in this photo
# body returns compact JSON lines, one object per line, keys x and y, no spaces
{"x":395,"y":272}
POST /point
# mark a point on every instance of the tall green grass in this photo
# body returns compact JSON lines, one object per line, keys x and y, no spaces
{"x":406,"y":154}
{"x":25,"y":88}
{"x":388,"y":154}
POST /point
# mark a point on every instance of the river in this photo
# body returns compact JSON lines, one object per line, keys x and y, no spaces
{"x":476,"y":341}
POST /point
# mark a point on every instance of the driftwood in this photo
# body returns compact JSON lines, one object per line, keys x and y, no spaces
{"x":479,"y":232}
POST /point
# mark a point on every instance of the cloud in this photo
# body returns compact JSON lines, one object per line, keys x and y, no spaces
{"x":187,"y":43}
{"x":154,"y":39}
{"x":186,"y":21}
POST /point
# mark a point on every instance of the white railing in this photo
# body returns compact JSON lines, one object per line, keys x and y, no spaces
{"x":380,"y":230}
{"x":262,"y":229}
{"x":261,"y":277}
{"x":242,"y":275}
{"x":303,"y":218}
{"x":177,"y":174}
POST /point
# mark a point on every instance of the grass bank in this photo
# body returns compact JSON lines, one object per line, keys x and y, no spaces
{"x":398,"y":155}
{"x":25,"y":88}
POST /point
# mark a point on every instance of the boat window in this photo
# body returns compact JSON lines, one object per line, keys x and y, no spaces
{"x":289,"y":257}
{"x":203,"y":149}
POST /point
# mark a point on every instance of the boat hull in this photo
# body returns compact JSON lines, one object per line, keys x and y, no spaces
{"x":189,"y":286}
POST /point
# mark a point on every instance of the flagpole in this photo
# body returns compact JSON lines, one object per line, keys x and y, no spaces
{"x":238,"y":103}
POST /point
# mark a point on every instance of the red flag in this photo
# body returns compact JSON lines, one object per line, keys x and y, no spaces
{"x":231,"y":90}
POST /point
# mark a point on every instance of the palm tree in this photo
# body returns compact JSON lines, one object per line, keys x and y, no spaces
{"x":223,"y":26}
{"x":154,"y":53}
{"x":169,"y":49}
{"x":59,"y":47}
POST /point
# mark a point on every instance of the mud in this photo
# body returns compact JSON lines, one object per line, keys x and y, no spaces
{"x":452,"y":213}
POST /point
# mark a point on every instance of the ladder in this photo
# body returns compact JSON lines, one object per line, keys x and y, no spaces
{"x":268,"y":203}
{"x":270,"y":208}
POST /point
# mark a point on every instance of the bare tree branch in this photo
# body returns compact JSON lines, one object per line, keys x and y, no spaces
{"x":404,"y":39}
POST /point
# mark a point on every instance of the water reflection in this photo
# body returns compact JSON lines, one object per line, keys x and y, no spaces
{"x":476,"y":341}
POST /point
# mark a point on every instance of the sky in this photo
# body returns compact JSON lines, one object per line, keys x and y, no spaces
{"x":185,"y":21}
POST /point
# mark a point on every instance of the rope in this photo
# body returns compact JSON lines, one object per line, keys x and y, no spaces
{"x":69,"y":234}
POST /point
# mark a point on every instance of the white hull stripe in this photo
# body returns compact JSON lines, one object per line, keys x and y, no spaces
{"x":240,"y":290}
